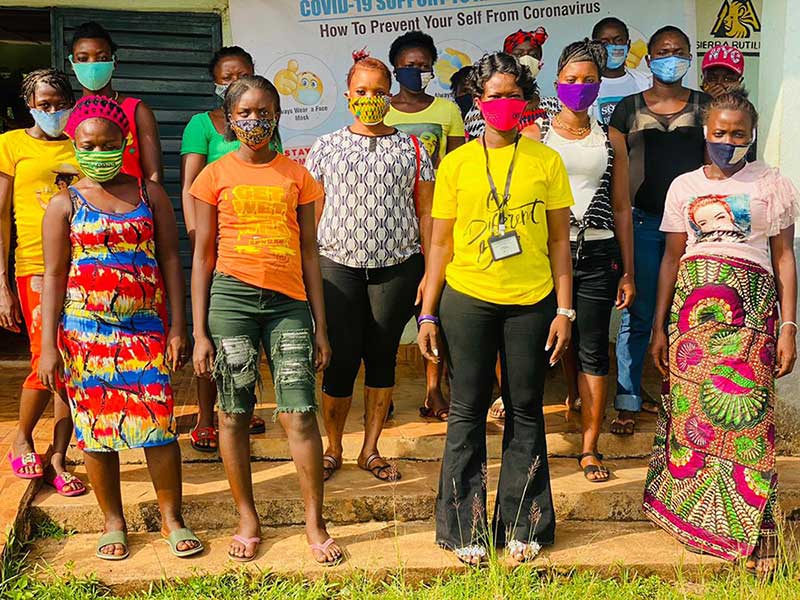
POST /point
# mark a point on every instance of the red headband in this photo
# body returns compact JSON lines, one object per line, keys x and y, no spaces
{"x":537,"y":38}
{"x":97,"y":107}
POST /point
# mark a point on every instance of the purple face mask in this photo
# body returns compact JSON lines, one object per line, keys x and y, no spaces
{"x":577,"y":96}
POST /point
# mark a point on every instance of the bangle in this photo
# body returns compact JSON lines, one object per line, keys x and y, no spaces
{"x":785,"y":323}
{"x":427,"y":319}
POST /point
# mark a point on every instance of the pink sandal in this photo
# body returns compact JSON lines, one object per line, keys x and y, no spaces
{"x":322,"y":548}
{"x":19,"y":463}
{"x":65,"y":479}
{"x":245,"y":542}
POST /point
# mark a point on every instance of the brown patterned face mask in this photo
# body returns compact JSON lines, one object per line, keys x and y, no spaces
{"x":255,"y":133}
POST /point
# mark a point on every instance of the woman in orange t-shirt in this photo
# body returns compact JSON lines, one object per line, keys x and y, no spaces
{"x":255,"y":273}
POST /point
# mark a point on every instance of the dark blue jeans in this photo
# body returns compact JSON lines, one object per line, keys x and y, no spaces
{"x":637,"y":321}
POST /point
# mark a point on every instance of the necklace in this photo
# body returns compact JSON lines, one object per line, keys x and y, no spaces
{"x":579,"y":131}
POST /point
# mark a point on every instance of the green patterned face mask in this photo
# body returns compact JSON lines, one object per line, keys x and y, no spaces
{"x":100,"y":165}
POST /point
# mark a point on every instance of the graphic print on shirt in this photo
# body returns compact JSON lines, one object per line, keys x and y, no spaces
{"x":64,"y":175}
{"x":430,"y":134}
{"x":606,"y":106}
{"x":262,"y":229}
{"x":720,"y":218}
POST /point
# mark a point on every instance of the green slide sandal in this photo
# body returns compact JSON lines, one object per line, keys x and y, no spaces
{"x":183,"y":535}
{"x":112,"y":537}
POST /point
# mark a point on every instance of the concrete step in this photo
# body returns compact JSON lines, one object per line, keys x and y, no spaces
{"x":375,"y":550}
{"x":353,"y":496}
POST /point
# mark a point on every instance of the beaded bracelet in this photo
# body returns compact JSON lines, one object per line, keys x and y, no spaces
{"x":427,"y":319}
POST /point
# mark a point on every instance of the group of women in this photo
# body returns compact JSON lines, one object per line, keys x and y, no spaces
{"x":535,"y":230}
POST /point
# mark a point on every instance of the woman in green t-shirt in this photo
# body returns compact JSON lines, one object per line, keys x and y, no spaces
{"x":203,"y":143}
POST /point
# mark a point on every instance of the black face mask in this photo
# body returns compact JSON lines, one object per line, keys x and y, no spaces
{"x":464,"y":103}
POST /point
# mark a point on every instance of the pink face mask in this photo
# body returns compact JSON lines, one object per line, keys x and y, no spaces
{"x":503,"y":114}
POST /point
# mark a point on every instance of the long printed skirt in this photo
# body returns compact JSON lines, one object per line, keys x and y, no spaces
{"x":712,"y":481}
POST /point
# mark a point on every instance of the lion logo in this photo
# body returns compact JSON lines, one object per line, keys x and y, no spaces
{"x":736,"y":19}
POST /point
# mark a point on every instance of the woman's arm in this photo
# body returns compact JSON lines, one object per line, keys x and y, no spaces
{"x":667,"y":276}
{"x":10,"y":312}
{"x":56,"y":247}
{"x":149,"y":143}
{"x":783,"y":263}
{"x":561,"y":267}
{"x":312,"y":277}
{"x":191,"y":165}
{"x":424,"y":205}
{"x":439,"y":255}
{"x":166,"y":238}
{"x":204,"y":260}
{"x":453,"y":142}
{"x":623,"y":218}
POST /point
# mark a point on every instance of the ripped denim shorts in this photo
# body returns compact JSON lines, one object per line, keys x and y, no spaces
{"x":243,"y":318}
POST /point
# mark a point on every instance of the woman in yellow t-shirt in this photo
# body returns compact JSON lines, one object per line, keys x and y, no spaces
{"x":499,"y":276}
{"x":34,"y":164}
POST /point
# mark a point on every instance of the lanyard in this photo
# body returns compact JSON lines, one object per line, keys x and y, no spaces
{"x":501,"y":206}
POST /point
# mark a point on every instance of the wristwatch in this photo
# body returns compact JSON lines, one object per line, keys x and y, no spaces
{"x":567,"y":312}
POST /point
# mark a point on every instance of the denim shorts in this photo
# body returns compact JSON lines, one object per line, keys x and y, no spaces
{"x":242,"y":319}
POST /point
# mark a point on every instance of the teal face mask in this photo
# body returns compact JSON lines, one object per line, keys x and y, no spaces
{"x":93,"y":76}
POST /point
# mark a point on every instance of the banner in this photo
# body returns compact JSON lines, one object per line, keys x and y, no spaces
{"x":305,"y":46}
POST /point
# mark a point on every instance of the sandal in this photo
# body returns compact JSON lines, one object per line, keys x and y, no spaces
{"x":257,"y":425}
{"x":428,"y":413}
{"x":498,"y":409}
{"x":183,"y":534}
{"x":650,"y":406}
{"x":474,"y":551}
{"x":769,"y":553}
{"x":63,"y":480}
{"x":109,"y":539}
{"x":245,"y":542}
{"x":529,"y":551}
{"x":623,"y":426}
{"x":594,"y":469}
{"x":204,"y":434}
{"x":329,"y":466}
{"x":378,"y":471}
{"x":25,"y":460}
{"x":323,"y":548}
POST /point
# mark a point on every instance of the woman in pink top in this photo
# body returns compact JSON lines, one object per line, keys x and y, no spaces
{"x":729,"y":276}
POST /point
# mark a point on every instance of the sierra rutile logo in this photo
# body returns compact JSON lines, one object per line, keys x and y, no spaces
{"x":736,"y":19}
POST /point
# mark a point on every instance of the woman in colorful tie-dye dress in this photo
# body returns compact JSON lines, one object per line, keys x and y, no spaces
{"x":729,"y":274}
{"x":107,"y":240}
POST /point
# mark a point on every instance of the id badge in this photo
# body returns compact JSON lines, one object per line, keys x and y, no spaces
{"x":505,"y":245}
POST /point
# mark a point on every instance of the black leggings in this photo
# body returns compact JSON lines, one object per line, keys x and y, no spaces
{"x":367,"y":310}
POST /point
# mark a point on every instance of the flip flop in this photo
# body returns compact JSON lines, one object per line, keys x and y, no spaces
{"x":428,"y":413}
{"x":203,"y":434}
{"x":65,"y":479}
{"x":328,"y":471}
{"x":497,"y":410}
{"x":464,"y":553}
{"x":25,"y":460}
{"x":323,"y":547}
{"x":377,"y":471}
{"x":109,"y":539}
{"x":529,"y":551}
{"x":257,"y":425}
{"x":592,"y":469}
{"x":184,"y":534}
{"x":628,"y":426}
{"x":245,"y":542}
{"x":650,"y":406}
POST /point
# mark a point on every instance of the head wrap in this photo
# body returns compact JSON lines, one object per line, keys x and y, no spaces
{"x":97,"y":107}
{"x":536,"y":38}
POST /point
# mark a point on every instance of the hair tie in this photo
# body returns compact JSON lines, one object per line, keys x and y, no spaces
{"x":360,"y":54}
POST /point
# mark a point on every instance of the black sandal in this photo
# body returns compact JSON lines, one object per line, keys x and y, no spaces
{"x":377,"y":472}
{"x":593,"y":469}
{"x":329,"y":466}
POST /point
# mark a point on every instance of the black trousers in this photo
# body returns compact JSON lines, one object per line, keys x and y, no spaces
{"x":475,"y":331}
{"x":367,"y":310}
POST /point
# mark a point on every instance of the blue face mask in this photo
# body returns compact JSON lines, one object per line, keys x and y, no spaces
{"x":670,"y":69}
{"x":52,"y":123}
{"x":727,"y":156}
{"x":413,"y":78}
{"x":93,"y":76}
{"x":617,"y":54}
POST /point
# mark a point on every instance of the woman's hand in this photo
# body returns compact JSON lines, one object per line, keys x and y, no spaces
{"x":322,"y":350}
{"x":10,"y":312}
{"x":659,"y":351}
{"x":787,"y":351}
{"x":51,"y":368}
{"x":428,"y":340}
{"x":560,"y":334}
{"x":203,"y":356}
{"x":176,"y":348}
{"x":626,"y":292}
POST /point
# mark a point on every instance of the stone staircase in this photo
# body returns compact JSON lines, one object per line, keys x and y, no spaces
{"x":384,"y":526}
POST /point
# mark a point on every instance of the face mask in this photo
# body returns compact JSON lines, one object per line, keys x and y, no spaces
{"x":220,"y":89}
{"x":52,"y":123}
{"x":533,"y":64}
{"x":370,"y":110}
{"x":93,"y":75}
{"x":100,"y":165}
{"x":670,"y":69}
{"x":255,"y":133}
{"x":617,"y":54}
{"x":503,"y":114}
{"x":413,"y":78}
{"x":727,"y":156}
{"x":578,"y":96}
{"x":464,"y":103}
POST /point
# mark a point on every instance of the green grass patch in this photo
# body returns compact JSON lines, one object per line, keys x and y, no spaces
{"x":46,"y":528}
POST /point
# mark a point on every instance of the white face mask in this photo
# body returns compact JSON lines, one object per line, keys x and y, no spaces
{"x":426,"y":77}
{"x":533,"y":64}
